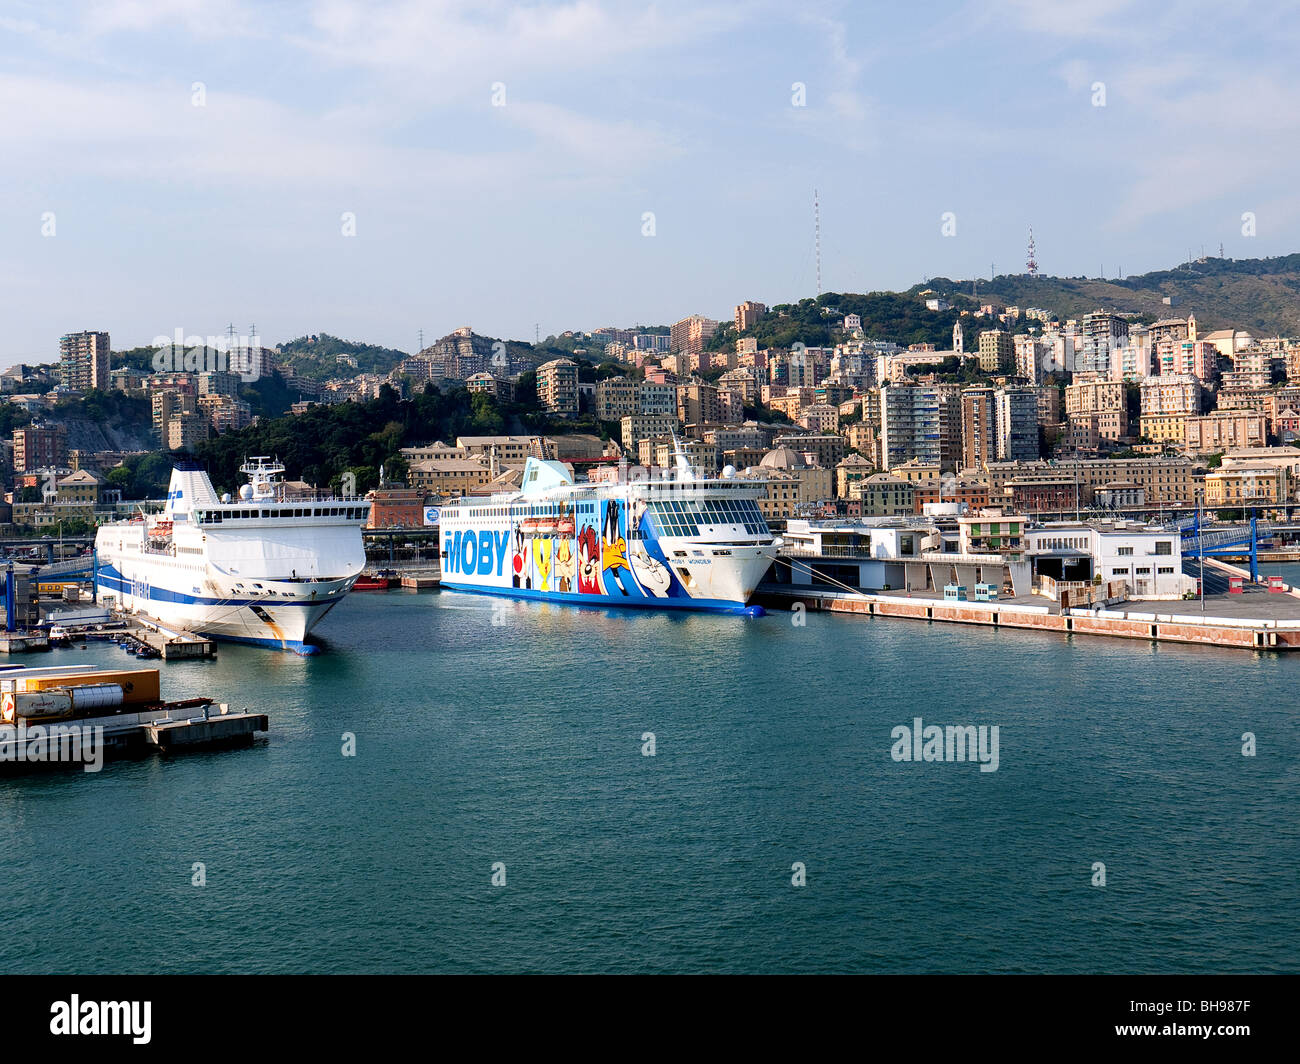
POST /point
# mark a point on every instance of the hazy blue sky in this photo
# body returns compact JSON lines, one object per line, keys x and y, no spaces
{"x":172,"y":215}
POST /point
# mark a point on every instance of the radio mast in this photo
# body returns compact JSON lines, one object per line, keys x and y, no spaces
{"x":817,"y":238}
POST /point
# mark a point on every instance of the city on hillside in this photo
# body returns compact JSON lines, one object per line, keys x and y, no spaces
{"x":1020,"y":411}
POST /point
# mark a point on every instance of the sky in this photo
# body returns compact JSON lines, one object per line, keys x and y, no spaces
{"x":371,"y":170}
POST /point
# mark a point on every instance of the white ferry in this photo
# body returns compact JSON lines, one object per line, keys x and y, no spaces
{"x":262,"y":568}
{"x":681,"y":543}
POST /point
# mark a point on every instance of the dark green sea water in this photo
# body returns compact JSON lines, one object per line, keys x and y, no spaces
{"x":489,"y":731}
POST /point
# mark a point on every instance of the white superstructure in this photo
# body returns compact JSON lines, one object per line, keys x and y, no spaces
{"x":263,"y":568}
{"x":681,"y":543}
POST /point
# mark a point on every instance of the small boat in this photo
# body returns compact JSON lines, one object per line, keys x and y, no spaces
{"x":380,"y":581}
{"x":565,"y":527}
{"x":528,"y":525}
{"x":59,"y":637}
{"x":146,"y":651}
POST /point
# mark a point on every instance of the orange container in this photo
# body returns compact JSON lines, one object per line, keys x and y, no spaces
{"x":138,"y":685}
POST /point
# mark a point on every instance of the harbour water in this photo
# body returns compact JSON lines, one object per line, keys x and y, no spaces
{"x":490,"y":731}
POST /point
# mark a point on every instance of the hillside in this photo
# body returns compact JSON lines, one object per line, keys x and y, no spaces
{"x":1262,"y":295}
{"x":900,"y":317}
{"x":316,"y":357}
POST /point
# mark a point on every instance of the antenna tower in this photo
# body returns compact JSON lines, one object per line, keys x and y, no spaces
{"x":817,"y":238}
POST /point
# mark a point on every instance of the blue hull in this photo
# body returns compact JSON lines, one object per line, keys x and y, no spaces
{"x":610,"y":601}
{"x":304,"y":649}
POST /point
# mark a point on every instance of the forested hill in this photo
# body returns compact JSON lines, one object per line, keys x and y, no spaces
{"x":1261,"y":295}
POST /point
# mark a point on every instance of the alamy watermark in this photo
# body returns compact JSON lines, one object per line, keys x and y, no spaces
{"x":955,"y":742}
{"x":114,"y":1018}
{"x":179,"y":353}
{"x":56,"y":743}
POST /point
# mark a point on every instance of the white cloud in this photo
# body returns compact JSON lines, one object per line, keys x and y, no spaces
{"x":152,"y":132}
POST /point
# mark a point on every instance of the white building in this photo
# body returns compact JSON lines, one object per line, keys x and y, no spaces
{"x":874,"y":554}
{"x":1149,"y":559}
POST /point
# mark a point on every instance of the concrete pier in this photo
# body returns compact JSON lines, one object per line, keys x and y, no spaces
{"x":173,"y":643}
{"x":23,"y":642}
{"x":1153,"y":621}
{"x":210,"y":731}
{"x":171,"y":728}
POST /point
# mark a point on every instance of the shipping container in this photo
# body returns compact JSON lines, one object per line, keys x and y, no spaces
{"x":138,"y":685}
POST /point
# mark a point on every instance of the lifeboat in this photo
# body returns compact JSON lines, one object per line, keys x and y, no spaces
{"x":528,"y":525}
{"x":546,"y":526}
{"x":565,"y":526}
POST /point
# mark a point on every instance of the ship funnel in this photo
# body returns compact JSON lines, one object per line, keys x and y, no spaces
{"x":189,"y":487}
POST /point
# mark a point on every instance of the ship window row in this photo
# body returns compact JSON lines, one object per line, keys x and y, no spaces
{"x":684,"y":518}
{"x":517,"y":511}
{"x":216,"y":517}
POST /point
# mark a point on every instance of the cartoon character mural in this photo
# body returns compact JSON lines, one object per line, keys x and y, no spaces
{"x":613,"y":551}
{"x":650,"y":573}
{"x":565,"y":565}
{"x":542,"y":561}
{"x":589,"y":562}
{"x":517,"y":562}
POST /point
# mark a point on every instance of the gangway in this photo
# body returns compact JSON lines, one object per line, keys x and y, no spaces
{"x":1198,"y":542}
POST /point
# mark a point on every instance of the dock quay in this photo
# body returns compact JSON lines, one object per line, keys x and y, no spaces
{"x":421,"y":579}
{"x":173,"y":728}
{"x":172,"y":643}
{"x":1157,"y":622}
{"x":80,"y":715}
{"x":23,"y":642}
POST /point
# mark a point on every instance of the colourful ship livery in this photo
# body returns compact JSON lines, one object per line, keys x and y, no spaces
{"x":681,"y":543}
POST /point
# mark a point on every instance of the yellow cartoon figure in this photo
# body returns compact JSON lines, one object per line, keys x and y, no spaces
{"x":542,"y":562}
{"x":566,"y":565}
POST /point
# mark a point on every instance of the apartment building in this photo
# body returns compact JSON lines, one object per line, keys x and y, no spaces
{"x":449,"y":477}
{"x":657,"y":399}
{"x":500,"y":388}
{"x":1164,"y":479}
{"x":882,"y":495}
{"x":40,"y":447}
{"x":617,"y":398}
{"x":1097,"y":406}
{"x":690,"y":335}
{"x":185,"y":428}
{"x":1224,"y":430}
{"x":920,"y":421}
{"x":1094,"y":397}
{"x":637,"y":427}
{"x":747,"y":315}
{"x":979,"y":427}
{"x":1177,"y":394}
{"x":820,"y":417}
{"x":557,"y":386}
{"x":1247,"y":485}
{"x":1017,"y":423}
{"x":698,"y":403}
{"x":997,"y":351}
{"x":821,"y":449}
{"x":84,"y":360}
